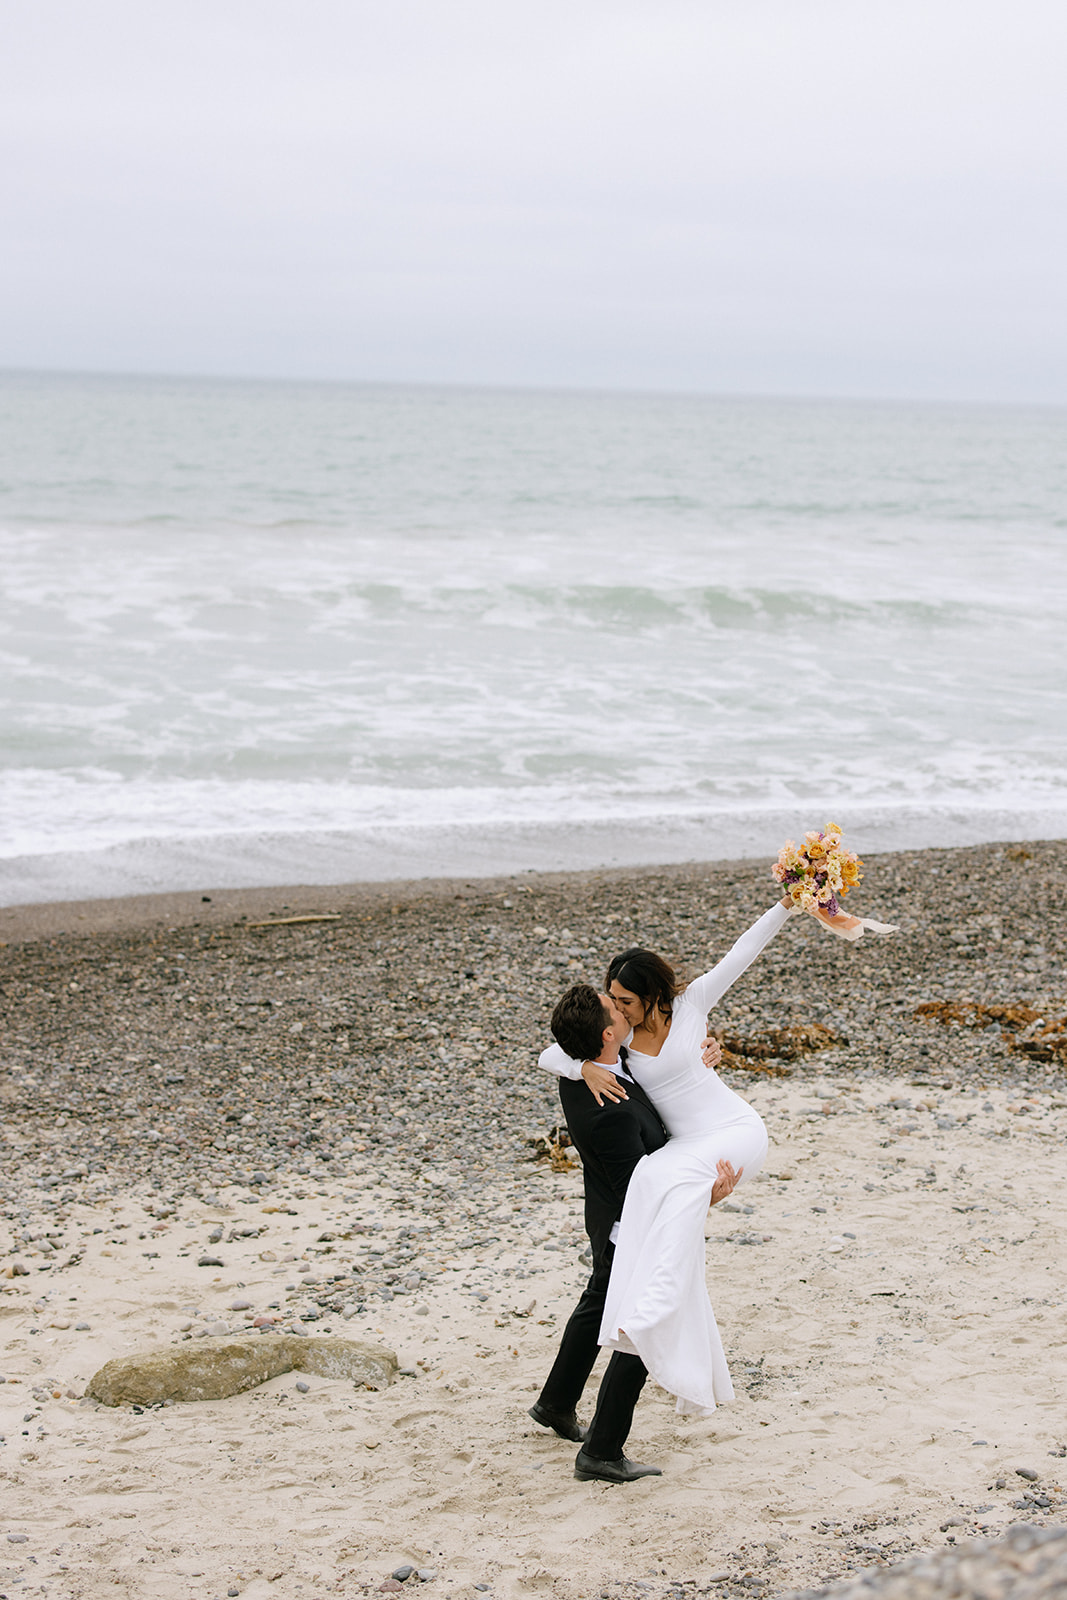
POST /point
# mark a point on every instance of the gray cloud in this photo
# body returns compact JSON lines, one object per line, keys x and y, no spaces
{"x":817,"y":198}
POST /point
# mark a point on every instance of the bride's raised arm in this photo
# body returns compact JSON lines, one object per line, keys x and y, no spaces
{"x":708,"y":990}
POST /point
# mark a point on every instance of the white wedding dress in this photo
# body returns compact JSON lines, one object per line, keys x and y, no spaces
{"x":657,"y":1304}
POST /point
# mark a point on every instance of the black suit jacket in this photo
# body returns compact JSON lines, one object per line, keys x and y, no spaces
{"x":611,"y":1139}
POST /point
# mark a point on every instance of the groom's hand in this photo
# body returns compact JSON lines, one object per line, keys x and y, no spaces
{"x":711,"y":1052}
{"x":725,"y":1183}
{"x":602,"y":1084}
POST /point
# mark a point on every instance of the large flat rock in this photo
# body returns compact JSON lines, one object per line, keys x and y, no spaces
{"x":212,"y":1370}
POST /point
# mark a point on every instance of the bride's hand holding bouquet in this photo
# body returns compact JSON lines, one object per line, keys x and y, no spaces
{"x":817,"y":875}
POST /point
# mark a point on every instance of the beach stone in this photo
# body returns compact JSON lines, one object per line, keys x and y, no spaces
{"x":240,"y":1305}
{"x":18,"y":1538}
{"x":214,"y":1372}
{"x":402,"y":1574}
{"x":209,"y":1261}
{"x":1028,"y":1473}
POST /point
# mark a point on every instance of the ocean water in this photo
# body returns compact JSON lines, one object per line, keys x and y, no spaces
{"x":268,"y":633}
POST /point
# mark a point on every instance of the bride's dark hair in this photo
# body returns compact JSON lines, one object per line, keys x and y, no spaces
{"x":647,"y":976}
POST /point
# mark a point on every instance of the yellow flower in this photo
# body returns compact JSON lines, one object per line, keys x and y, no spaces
{"x":850,"y":870}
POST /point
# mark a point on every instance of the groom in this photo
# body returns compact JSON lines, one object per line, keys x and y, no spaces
{"x":611,"y":1135}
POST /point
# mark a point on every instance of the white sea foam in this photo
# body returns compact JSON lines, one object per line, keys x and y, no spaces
{"x":241,"y":612}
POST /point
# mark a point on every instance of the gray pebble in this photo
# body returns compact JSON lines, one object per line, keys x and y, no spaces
{"x":82,"y":1327}
{"x":18,"y":1538}
{"x":240,"y":1305}
{"x":427,"y":1574}
{"x":1028,"y":1473}
{"x":210,"y":1261}
{"x":303,"y":1388}
{"x":402,"y":1574}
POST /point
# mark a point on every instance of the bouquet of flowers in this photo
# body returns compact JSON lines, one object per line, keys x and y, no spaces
{"x":818,"y":874}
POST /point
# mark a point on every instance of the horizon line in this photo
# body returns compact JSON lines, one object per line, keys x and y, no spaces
{"x":123,"y":374}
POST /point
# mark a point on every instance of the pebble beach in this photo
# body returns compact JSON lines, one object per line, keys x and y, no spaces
{"x":317,"y":1112}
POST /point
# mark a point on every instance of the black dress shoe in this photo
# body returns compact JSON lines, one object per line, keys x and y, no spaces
{"x":565,"y":1423}
{"x":621,"y":1471}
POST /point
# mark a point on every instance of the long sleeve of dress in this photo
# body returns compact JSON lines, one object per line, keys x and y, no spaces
{"x":707,"y":991}
{"x":555,"y":1059}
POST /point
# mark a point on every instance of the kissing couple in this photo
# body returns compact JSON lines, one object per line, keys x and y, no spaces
{"x":661,"y":1138}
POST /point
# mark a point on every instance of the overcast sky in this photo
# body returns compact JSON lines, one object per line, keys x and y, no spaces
{"x":771,"y":196}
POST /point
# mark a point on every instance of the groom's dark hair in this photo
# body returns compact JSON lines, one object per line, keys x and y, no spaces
{"x":578,"y":1022}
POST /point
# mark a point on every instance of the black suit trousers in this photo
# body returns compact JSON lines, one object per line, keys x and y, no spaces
{"x":579,"y":1347}
{"x":610,"y":1139}
{"x":621,"y":1384}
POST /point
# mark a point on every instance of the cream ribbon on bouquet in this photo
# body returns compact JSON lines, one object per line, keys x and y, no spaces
{"x":817,"y":875}
{"x":847,"y":927}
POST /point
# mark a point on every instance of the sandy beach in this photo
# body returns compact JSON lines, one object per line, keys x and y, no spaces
{"x":344,"y":1115}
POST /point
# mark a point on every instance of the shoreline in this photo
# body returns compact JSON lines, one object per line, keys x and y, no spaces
{"x":408,"y":854}
{"x":213,"y":908}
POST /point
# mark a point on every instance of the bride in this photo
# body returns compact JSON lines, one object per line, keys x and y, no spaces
{"x":657,"y":1304}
